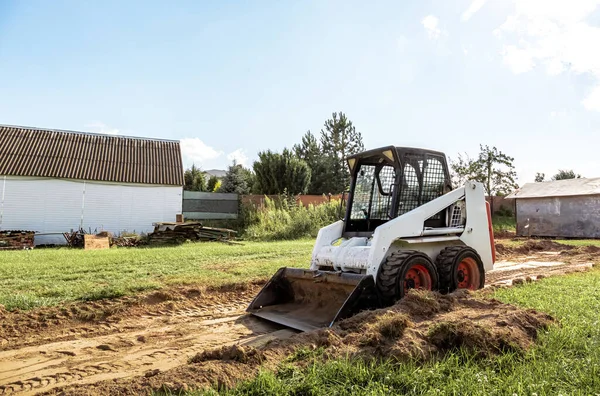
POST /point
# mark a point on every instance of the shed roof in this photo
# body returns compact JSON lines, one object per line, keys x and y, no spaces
{"x":27,"y":151}
{"x":558,"y":188}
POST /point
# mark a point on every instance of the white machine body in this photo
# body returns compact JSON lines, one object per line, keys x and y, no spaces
{"x":365,"y":254}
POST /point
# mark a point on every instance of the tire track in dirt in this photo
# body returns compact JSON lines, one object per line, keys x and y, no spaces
{"x":534,"y":266}
{"x":157,"y":342}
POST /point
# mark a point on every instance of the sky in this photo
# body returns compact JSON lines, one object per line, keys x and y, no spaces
{"x":230,"y":79}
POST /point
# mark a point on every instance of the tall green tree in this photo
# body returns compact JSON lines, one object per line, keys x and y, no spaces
{"x":194,"y":179}
{"x":494,"y":169}
{"x":309,"y":150}
{"x":279,"y":173}
{"x":250,"y":179}
{"x":565,"y":174}
{"x":339,"y":139}
{"x":234,"y":180}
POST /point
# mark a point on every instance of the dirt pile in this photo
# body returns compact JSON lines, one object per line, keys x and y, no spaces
{"x":545,"y":249}
{"x":422,"y":326}
{"x":425,"y":324}
{"x":532,"y":246}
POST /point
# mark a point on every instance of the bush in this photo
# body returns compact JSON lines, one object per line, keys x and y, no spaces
{"x":283,"y":219}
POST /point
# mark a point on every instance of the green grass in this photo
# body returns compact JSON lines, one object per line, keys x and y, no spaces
{"x":566,"y":359}
{"x":579,"y":242}
{"x":502,"y":224}
{"x":42,"y":277}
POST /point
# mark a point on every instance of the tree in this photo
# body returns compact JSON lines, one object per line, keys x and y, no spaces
{"x":281,"y":173}
{"x":539,"y":177}
{"x":492,"y":167}
{"x":309,"y":150}
{"x":212,"y":184}
{"x":250,"y":179}
{"x":194,"y":179}
{"x":234,"y":181}
{"x":339,"y":139}
{"x":565,"y":174}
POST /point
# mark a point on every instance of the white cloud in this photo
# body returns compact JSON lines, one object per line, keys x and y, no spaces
{"x":100,"y":127}
{"x":473,"y":8}
{"x":196,"y":151}
{"x":239,"y":156}
{"x":592,"y":101}
{"x":431,"y":25}
{"x":554,"y":34}
{"x":517,"y":59}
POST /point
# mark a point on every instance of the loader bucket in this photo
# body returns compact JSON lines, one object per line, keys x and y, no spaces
{"x":306,"y":300}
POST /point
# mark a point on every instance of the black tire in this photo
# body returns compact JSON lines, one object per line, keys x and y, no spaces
{"x":391,"y":275}
{"x":447,"y":263}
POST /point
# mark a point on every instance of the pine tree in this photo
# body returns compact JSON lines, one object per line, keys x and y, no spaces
{"x":194,"y":179}
{"x":309,"y":150}
{"x":234,"y":181}
{"x":339,"y":140}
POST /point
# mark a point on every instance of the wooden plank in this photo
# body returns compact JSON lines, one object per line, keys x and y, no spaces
{"x":93,"y":242}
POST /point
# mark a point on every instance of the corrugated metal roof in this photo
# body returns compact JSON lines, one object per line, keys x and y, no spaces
{"x":26,"y":151}
{"x":559,"y":188}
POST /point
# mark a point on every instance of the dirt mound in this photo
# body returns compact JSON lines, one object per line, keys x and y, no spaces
{"x":543,"y":246}
{"x":533,"y":246}
{"x":421,"y":326}
{"x":237,"y":353}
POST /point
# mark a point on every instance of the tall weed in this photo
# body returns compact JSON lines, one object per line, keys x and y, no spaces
{"x":284,"y":219}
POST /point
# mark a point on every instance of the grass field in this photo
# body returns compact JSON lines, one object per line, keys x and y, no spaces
{"x":43,"y":277}
{"x":565,"y":361}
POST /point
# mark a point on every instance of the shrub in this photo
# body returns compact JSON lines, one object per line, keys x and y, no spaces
{"x":285,"y":219}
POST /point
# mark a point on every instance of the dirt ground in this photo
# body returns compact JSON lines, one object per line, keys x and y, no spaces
{"x":185,"y":337}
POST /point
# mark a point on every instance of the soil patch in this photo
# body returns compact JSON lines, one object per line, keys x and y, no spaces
{"x":422,"y":326}
{"x":37,"y":326}
{"x":533,"y":246}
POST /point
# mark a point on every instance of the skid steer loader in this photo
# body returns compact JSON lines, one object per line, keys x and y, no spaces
{"x":404,"y":227}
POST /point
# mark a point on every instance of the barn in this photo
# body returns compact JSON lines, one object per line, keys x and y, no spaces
{"x":54,"y":181}
{"x":563,"y":208}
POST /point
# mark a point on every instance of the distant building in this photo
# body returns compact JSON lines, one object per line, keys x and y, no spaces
{"x":54,"y":181}
{"x":563,"y":208}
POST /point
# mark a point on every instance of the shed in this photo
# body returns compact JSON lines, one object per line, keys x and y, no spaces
{"x":54,"y":181}
{"x":563,"y":208}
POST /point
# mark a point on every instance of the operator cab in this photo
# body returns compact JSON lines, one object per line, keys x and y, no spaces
{"x":390,"y":181}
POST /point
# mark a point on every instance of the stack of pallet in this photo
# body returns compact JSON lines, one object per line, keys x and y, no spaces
{"x":172,"y":233}
{"x":16,"y":239}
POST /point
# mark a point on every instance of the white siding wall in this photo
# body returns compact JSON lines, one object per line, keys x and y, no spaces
{"x":52,"y":205}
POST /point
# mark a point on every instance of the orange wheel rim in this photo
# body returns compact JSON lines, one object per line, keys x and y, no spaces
{"x":417,"y":277}
{"x":468,"y":274}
